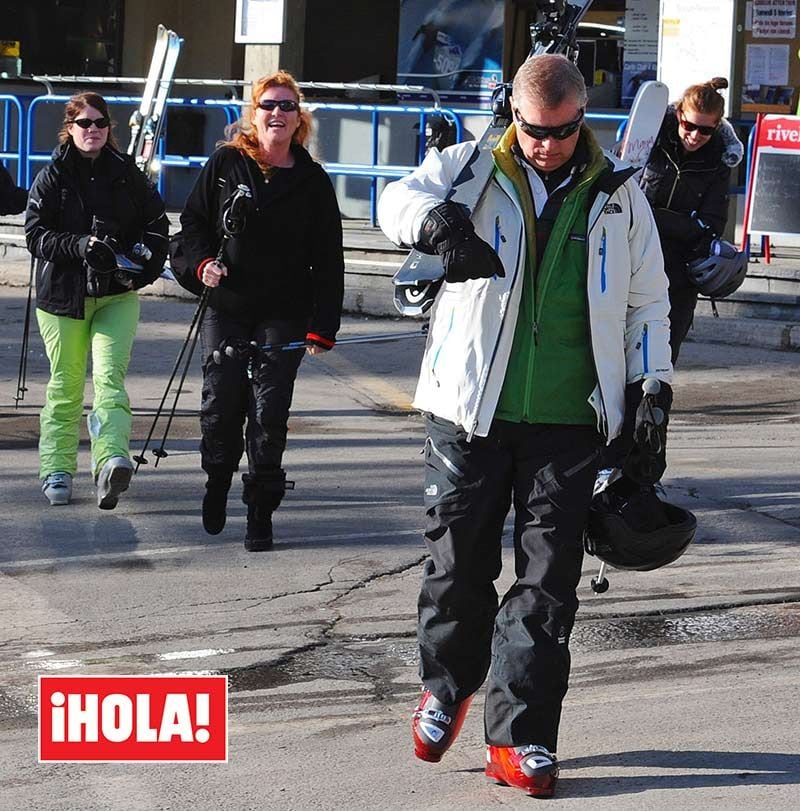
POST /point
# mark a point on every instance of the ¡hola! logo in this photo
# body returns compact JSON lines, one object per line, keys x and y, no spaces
{"x":133,"y":718}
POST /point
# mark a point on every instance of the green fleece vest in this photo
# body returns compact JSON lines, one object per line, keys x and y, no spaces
{"x":551,"y":372}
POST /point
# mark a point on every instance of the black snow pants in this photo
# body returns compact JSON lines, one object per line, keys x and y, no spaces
{"x":231,"y":396}
{"x":548,"y":471}
{"x":682,"y":301}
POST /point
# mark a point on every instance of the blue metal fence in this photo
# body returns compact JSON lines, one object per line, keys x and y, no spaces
{"x":26,"y":155}
{"x":7,"y":153}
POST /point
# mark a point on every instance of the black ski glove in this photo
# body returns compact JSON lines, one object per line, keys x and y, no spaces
{"x":647,"y":406}
{"x":448,"y":231}
{"x":100,"y":255}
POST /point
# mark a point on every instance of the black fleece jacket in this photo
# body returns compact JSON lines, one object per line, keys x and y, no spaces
{"x":64,"y":197}
{"x":289,"y":262}
{"x":677,"y":183}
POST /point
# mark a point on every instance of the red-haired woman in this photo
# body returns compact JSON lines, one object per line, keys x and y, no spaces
{"x":280,"y":281}
{"x":86,"y":209}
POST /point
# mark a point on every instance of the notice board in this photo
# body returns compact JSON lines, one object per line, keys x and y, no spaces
{"x":775,"y":194}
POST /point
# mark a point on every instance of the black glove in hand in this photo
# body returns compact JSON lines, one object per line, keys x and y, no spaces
{"x":100,"y":255}
{"x":647,"y":458}
{"x":448,"y":231}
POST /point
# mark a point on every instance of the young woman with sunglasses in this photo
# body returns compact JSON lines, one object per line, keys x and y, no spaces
{"x":686,"y":180}
{"x":89,"y":204}
{"x":281,"y":280}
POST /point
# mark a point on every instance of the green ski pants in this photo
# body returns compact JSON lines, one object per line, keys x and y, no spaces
{"x":107,"y":329}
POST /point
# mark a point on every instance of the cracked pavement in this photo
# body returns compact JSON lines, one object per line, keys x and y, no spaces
{"x":683,"y":679}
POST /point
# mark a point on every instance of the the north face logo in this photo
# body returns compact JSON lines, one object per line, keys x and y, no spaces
{"x":612,"y":208}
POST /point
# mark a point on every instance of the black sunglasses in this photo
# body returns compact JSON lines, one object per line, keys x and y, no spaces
{"x":560,"y":133}
{"x":286,"y":105}
{"x":690,"y":126}
{"x":85,"y":123}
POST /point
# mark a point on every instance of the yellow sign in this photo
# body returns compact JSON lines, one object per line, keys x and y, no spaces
{"x":9,"y":47}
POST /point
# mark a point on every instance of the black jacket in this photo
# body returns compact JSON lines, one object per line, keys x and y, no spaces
{"x":13,"y":199}
{"x":64,"y":197}
{"x":677,"y":183}
{"x":289,"y":262}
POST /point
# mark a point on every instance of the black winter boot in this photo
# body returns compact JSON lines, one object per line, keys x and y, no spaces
{"x":259,"y":529}
{"x":262,"y":492}
{"x":215,"y":501}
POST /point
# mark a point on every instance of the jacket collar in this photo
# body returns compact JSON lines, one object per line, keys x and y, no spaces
{"x":507,"y":163}
{"x":66,"y":155}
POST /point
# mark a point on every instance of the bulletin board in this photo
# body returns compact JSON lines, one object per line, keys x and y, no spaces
{"x":771,"y":67}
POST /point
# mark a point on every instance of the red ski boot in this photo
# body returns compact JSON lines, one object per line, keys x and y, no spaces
{"x":435,"y":726}
{"x":531,"y":768}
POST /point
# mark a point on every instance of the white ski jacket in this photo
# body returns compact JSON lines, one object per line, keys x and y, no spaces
{"x":473,"y":322}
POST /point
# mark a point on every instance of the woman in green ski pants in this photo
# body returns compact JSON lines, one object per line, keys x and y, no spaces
{"x":98,"y":230}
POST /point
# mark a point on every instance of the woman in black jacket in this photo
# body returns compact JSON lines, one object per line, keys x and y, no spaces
{"x":686,"y":180}
{"x":90,"y":213}
{"x":280,"y":280}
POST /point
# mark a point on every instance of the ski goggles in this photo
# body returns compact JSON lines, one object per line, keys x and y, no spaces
{"x":559,"y":133}
{"x":285,"y":105}
{"x":690,"y":126}
{"x":85,"y":123}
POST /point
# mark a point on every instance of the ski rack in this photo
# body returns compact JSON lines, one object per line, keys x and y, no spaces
{"x":147,"y":123}
{"x":554,"y":31}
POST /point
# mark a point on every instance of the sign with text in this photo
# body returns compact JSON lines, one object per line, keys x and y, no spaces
{"x":687,"y":53}
{"x":261,"y":21}
{"x":775,"y":194}
{"x":118,"y":719}
{"x":774,"y":19}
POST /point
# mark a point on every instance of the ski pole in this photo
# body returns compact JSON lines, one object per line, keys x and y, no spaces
{"x":231,"y":350}
{"x":23,"y":355}
{"x":196,"y":318}
{"x":233,"y":222}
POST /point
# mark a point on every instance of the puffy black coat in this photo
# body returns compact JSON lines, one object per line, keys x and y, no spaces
{"x":289,"y":261}
{"x":13,"y":198}
{"x":64,"y":197}
{"x":677,"y":183}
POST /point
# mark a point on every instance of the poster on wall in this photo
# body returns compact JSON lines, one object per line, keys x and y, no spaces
{"x":452,"y":46}
{"x":687,"y":55}
{"x":641,"y":46}
{"x":776,"y":19}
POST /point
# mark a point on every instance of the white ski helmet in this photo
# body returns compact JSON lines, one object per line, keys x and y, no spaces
{"x":722,"y":272}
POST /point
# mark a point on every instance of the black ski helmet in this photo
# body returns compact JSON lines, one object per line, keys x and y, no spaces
{"x":721,"y":272}
{"x":637,"y":532}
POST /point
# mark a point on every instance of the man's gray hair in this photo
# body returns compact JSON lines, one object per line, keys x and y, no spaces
{"x":548,"y":81}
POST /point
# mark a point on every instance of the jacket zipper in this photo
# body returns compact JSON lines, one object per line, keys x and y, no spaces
{"x":603,"y":280}
{"x":441,"y":344}
{"x":645,"y":349}
{"x":603,"y":253}
{"x":485,"y":377}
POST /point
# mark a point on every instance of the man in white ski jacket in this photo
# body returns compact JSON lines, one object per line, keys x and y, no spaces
{"x":553,"y":310}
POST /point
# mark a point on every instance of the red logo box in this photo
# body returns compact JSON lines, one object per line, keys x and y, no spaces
{"x":147,"y":719}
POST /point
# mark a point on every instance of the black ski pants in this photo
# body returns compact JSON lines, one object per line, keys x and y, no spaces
{"x":548,"y":473}
{"x":238,"y":390}
{"x":682,"y":301}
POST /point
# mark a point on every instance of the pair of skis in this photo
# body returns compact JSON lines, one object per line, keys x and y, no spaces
{"x":554,"y":30}
{"x":147,"y":122}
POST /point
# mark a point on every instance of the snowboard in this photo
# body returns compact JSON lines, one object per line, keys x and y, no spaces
{"x":644,"y":122}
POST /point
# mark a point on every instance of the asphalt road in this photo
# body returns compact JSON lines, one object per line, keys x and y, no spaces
{"x":684,"y":687}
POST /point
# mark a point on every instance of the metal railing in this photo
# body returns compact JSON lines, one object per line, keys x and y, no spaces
{"x":26,"y":155}
{"x":7,"y":153}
